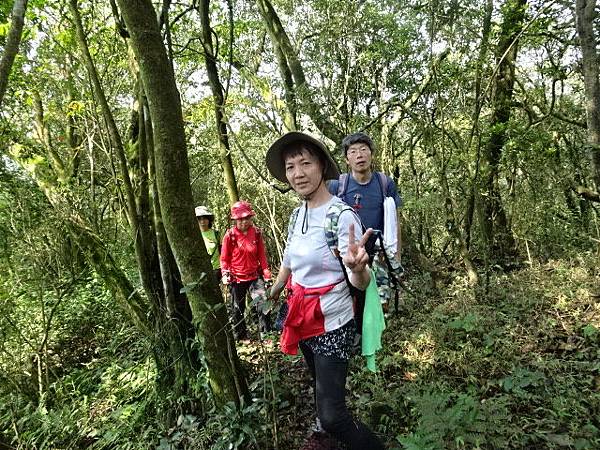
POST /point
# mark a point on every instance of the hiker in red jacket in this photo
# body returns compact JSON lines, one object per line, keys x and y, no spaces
{"x":245,"y":269}
{"x":320,"y":317}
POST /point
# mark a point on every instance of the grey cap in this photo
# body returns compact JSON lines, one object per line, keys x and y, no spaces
{"x":203,"y":211}
{"x":275,"y":162}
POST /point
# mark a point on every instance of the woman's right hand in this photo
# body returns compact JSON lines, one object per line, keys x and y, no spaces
{"x":282,"y":277}
{"x":274,"y":291}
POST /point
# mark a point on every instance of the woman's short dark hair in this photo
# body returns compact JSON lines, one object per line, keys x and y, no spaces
{"x":299,"y":147}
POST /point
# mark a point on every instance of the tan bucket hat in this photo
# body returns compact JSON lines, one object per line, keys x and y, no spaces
{"x":275,"y":162}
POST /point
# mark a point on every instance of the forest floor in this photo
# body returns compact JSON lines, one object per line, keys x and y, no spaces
{"x":511,"y":364}
{"x":514,"y":363}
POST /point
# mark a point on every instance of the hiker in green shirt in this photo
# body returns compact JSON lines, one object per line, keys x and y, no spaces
{"x":211,"y":238}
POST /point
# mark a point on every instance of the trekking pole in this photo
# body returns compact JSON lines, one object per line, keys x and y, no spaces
{"x":230,"y":307}
{"x":407,"y":289}
{"x":395,"y":279}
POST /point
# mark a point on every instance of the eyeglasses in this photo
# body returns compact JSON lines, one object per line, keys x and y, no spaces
{"x":356,"y":151}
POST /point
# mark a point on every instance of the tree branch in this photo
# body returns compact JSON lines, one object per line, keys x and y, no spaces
{"x":12,"y":44}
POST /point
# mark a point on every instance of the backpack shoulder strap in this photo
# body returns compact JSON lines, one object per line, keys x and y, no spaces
{"x":384,"y":183}
{"x":331,"y":224}
{"x":231,"y":235}
{"x":331,"y":228}
{"x":292,"y":223}
{"x":342,"y":185}
{"x":217,"y":243}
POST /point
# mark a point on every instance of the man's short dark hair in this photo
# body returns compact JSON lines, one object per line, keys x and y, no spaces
{"x":356,"y":138}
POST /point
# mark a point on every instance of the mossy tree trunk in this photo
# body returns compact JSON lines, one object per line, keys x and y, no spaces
{"x":475,"y":134}
{"x":586,"y":13}
{"x":291,"y":104}
{"x":290,"y":66}
{"x":499,"y":240}
{"x":11,"y":47}
{"x":176,"y":202}
{"x":177,"y":361}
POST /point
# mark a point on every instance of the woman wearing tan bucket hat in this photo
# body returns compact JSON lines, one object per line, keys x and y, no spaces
{"x":320,"y":318}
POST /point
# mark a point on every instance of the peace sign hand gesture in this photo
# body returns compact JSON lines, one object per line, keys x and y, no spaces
{"x":357,"y":258}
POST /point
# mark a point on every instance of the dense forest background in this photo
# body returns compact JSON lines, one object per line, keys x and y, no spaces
{"x":118,"y":117}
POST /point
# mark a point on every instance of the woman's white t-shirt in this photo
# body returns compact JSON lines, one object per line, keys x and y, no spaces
{"x":313,"y":264}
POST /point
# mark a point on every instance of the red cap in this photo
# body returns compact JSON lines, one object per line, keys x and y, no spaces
{"x":241,"y":209}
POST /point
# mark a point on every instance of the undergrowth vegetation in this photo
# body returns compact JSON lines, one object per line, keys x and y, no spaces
{"x":515,"y":364}
{"x":512,"y":364}
{"x":481,"y":113}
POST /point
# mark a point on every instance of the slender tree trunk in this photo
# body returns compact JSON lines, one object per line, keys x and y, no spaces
{"x":388,"y":126}
{"x":291,"y":102}
{"x":414,"y":241}
{"x":500,"y":242}
{"x":174,"y":308}
{"x":302,"y":91}
{"x":451,"y":218}
{"x":113,"y":131}
{"x":43,"y":135}
{"x":175,"y":196}
{"x":72,"y":133}
{"x":291,"y":105}
{"x":219,"y":101}
{"x":483,"y":50}
{"x":177,"y":362}
{"x":586,"y":13}
{"x":12,"y":44}
{"x":112,"y":275}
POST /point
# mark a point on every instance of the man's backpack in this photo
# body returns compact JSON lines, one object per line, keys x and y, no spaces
{"x":384,"y":182}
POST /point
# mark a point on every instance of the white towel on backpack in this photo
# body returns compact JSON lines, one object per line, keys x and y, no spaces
{"x":390,"y":226}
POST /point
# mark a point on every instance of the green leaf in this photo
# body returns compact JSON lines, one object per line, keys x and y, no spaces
{"x":4,"y":28}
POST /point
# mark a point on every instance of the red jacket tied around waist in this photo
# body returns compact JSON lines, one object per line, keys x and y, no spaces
{"x":305,"y":318}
